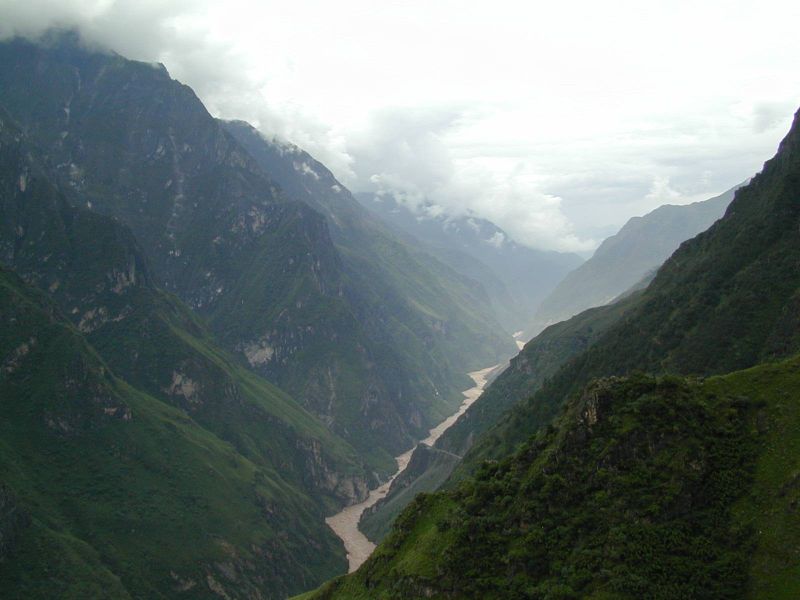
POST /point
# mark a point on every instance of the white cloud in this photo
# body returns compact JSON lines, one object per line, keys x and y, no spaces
{"x":554,"y":120}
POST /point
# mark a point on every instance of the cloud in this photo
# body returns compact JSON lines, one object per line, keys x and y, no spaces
{"x":769,"y":115}
{"x":406,"y":152}
{"x":559,"y":137}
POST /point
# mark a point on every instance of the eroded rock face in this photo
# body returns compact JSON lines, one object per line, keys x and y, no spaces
{"x":13,"y":361}
{"x":182,"y":385}
{"x":350,"y":489}
{"x":258,"y":353}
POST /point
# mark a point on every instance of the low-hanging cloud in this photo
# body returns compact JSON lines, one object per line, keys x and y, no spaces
{"x":405,"y":152}
{"x":558,"y":152}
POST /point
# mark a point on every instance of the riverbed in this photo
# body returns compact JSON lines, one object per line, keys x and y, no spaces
{"x":345,"y":523}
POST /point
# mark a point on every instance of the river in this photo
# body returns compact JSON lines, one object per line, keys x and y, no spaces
{"x":345,"y":523}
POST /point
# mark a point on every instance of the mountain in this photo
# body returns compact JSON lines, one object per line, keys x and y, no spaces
{"x":432,"y":467}
{"x":622,"y":260}
{"x":107,"y":346}
{"x":725,"y":300}
{"x":516,"y":277}
{"x":377,"y":364}
{"x":397,"y":280}
{"x":643,"y":488}
{"x":108,"y":492}
{"x":609,"y":483}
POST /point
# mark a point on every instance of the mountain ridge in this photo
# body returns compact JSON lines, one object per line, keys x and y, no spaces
{"x":623,"y":259}
{"x":517,"y":277}
{"x":261,"y":268}
{"x":718,"y":326}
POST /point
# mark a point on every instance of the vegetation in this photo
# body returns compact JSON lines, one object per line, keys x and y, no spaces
{"x":125,"y":495}
{"x":644,"y":488}
{"x":541,"y":358}
{"x":426,"y":471}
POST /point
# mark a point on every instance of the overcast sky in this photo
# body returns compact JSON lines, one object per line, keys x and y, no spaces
{"x":558,"y":121}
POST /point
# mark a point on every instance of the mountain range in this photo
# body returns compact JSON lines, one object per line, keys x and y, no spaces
{"x":516,"y":277}
{"x":604,"y":482}
{"x":223,"y":359}
{"x":320,"y":317}
{"x":628,"y":259}
{"x":208,"y":345}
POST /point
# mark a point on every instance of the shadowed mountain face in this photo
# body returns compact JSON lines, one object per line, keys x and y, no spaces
{"x":630,"y":485}
{"x":138,"y":459}
{"x":516,"y":277}
{"x":377,"y":362}
{"x":109,"y":492}
{"x":629,"y":256}
{"x":399,"y":288}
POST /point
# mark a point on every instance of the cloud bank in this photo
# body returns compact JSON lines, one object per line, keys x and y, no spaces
{"x":556,"y":122}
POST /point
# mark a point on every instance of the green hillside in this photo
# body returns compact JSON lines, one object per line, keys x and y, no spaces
{"x":623,"y":259}
{"x":644,"y":488}
{"x":111,"y":493}
{"x":725,"y":300}
{"x":654,"y":487}
{"x":540,"y":359}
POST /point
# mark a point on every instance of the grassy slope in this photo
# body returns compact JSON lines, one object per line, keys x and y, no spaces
{"x":427,"y":470}
{"x":644,"y":488}
{"x":541,"y":358}
{"x":123,"y":490}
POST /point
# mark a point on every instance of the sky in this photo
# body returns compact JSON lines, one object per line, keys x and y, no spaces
{"x":557,"y":121}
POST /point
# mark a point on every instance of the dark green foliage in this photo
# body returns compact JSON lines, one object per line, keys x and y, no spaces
{"x":125,"y":495}
{"x":629,"y":494}
{"x":643,"y":488}
{"x":539,"y":360}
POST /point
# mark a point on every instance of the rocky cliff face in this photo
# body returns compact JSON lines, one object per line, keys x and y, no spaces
{"x":93,"y":268}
